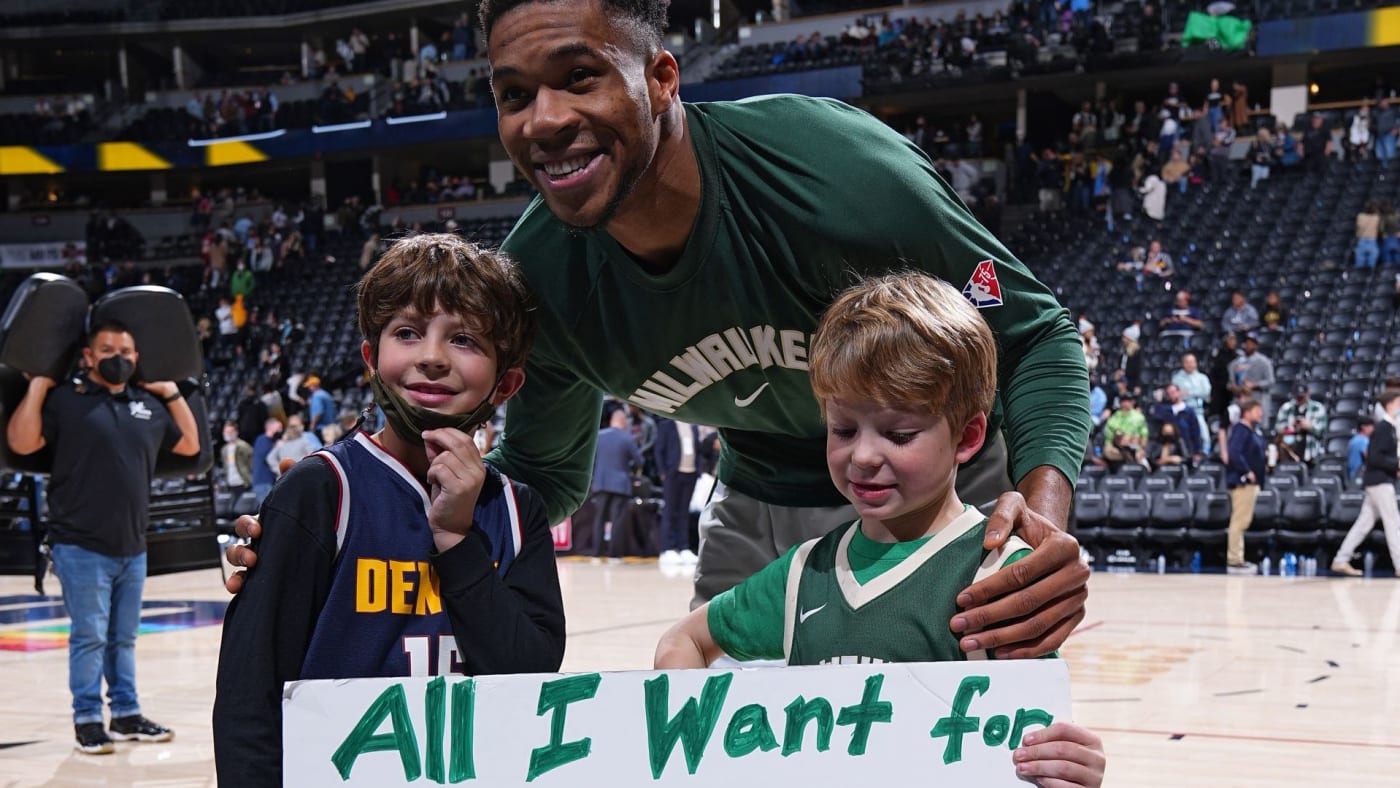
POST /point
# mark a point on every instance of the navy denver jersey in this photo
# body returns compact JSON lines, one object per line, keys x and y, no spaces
{"x":383,"y":615}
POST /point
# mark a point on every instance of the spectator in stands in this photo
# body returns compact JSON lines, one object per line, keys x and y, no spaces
{"x":1378,"y":478}
{"x":1238,"y":100}
{"x":1261,"y":157}
{"x":1091,"y":348}
{"x":1253,"y":373}
{"x":1357,"y":447}
{"x":1368,"y":227}
{"x":1085,"y":123}
{"x":1150,"y":30}
{"x":1220,"y":168}
{"x":1302,"y":422}
{"x":1275,"y":316}
{"x":251,"y":412}
{"x":321,"y":407}
{"x":1098,"y":399}
{"x":1157,"y":263}
{"x":1184,"y":320}
{"x":1241,"y":316}
{"x":1317,"y":145}
{"x":1176,"y":172}
{"x":973,"y":131}
{"x":1221,"y":381}
{"x":1244,"y":473}
{"x":294,"y":445}
{"x":1387,"y":128}
{"x":1289,"y":151}
{"x":1196,"y":389}
{"x":1389,"y":230}
{"x":263,"y":476}
{"x":1154,"y":195}
{"x":1359,"y":135}
{"x":1175,"y":412}
{"x":272,"y":398}
{"x":237,"y":461}
{"x":1125,"y":433}
{"x":1049,"y":173}
{"x":1214,"y":99}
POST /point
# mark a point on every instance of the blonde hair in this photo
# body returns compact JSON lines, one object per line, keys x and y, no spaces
{"x":906,"y":339}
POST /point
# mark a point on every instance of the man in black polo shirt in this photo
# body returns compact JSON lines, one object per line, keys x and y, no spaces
{"x":105,"y":437}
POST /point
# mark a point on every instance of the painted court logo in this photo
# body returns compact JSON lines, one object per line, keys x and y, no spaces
{"x":983,"y":289}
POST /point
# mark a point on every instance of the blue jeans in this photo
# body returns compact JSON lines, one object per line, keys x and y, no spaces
{"x":1390,"y":250}
{"x":1385,"y":147}
{"x":261,"y":490}
{"x":102,"y":595}
{"x":1367,"y":251}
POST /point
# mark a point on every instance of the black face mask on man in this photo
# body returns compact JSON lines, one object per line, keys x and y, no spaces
{"x":116,"y":370}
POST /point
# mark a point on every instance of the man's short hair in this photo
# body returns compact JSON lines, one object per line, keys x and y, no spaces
{"x":1388,"y":396}
{"x":1249,"y":404}
{"x":106,"y":326}
{"x":645,"y":17}
{"x":440,"y":272}
{"x":906,"y":340}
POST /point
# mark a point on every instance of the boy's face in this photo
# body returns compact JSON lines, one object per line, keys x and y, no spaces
{"x":440,"y":362}
{"x":896,"y":464}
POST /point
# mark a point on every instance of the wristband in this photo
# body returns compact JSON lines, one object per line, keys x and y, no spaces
{"x":171,"y":398}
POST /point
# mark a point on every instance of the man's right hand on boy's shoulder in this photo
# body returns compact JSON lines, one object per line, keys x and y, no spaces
{"x":242,"y":555}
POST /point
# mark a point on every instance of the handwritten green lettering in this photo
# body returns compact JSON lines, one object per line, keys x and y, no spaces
{"x":994,"y":733}
{"x":748,"y":731}
{"x":863,"y":715}
{"x":799,"y":713}
{"x":957,"y":723}
{"x":556,"y":696}
{"x":391,"y":703}
{"x":435,"y":710}
{"x":463,"y":763}
{"x":693,"y":724}
{"x":1026,"y":717}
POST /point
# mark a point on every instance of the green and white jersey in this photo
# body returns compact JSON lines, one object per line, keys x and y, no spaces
{"x":844,"y":598}
{"x":799,"y":197}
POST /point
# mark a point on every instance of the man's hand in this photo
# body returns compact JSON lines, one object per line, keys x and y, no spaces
{"x":41,"y":382}
{"x":1034,"y":603}
{"x":455,"y":476}
{"x":242,"y":555}
{"x":161,"y":388}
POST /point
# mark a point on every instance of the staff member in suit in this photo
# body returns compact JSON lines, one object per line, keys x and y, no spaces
{"x":1378,"y":477}
{"x":676,"y":452}
{"x":614,"y":459}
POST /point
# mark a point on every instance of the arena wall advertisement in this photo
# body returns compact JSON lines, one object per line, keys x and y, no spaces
{"x":864,"y":724}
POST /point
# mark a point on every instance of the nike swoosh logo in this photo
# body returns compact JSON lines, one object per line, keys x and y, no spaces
{"x":802,"y":618}
{"x":747,"y":401}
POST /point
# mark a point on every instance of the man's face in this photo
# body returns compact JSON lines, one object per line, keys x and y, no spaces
{"x":1237,"y":300}
{"x":1173,"y":395}
{"x":107,"y":344}
{"x":1251,"y":346}
{"x":578,"y":105}
{"x":1254,"y":415}
{"x":1154,"y":247}
{"x":1188,"y":363}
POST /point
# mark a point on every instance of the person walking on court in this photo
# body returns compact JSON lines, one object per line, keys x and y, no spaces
{"x":1243,"y":474}
{"x":614,"y":459}
{"x":677,"y":452}
{"x":1378,"y":477}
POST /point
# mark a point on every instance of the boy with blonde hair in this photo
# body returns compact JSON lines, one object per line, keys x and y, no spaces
{"x":904,"y":370}
{"x":400,"y":553}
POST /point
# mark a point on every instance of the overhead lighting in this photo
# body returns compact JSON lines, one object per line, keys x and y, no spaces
{"x":266,"y":135}
{"x":334,"y":127}
{"x":415,"y":118}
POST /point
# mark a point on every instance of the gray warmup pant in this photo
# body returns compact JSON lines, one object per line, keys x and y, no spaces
{"x":740,"y":535}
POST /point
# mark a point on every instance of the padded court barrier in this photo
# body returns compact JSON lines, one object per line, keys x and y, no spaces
{"x":44,"y":311}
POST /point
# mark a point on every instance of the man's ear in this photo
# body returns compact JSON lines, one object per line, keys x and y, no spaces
{"x":663,"y":82}
{"x":974,"y":434}
{"x":509,"y":385}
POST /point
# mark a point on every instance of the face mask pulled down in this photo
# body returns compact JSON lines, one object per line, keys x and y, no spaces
{"x":409,"y":421}
{"x":116,"y":370}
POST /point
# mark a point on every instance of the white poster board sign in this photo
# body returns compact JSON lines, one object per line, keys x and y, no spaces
{"x":953,"y":723}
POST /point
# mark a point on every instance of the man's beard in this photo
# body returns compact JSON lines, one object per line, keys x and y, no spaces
{"x":624,"y":190}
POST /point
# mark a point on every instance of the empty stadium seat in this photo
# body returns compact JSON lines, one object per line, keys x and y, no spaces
{"x":1302,"y":520}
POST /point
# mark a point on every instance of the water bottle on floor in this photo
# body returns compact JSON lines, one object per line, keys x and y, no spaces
{"x":1161,"y":564}
{"x":1266,"y":566}
{"x":1369,"y":562}
{"x":1196,"y":562}
{"x":1290,"y":565}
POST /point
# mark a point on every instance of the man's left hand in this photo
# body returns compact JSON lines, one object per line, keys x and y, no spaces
{"x":161,"y":388}
{"x":1029,"y":608}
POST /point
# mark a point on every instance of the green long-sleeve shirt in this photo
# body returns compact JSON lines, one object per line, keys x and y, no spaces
{"x":799,"y":197}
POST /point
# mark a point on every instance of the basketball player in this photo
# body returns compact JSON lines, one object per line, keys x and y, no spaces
{"x":904,"y":370}
{"x":401,"y":553}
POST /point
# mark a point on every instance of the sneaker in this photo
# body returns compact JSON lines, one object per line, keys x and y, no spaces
{"x":1346,"y":569}
{"x":669,"y":558}
{"x":92,"y":740}
{"x":688,"y":558}
{"x":135,"y":727}
{"x":1246,"y":568}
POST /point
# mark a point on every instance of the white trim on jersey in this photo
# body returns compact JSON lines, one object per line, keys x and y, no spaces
{"x":517,"y":536}
{"x":392,"y":463}
{"x":858,"y":595}
{"x":342,"y":514}
{"x":990,"y":565}
{"x":794,"y":580}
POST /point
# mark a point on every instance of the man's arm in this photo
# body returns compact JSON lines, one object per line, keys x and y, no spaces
{"x":188,"y":445}
{"x":513,"y":624}
{"x":25,"y":432}
{"x":268,"y":626}
{"x":550,"y":434}
{"x":1238,"y":443}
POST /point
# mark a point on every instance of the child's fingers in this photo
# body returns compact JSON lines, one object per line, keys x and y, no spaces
{"x":455,"y":441}
{"x":1063,"y":731}
{"x":1048,"y":772}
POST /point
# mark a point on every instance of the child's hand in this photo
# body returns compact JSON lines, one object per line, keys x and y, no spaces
{"x":455,"y":476}
{"x":1063,"y":755}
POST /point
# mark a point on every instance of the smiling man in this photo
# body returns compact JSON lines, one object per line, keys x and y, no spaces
{"x":682,"y":255}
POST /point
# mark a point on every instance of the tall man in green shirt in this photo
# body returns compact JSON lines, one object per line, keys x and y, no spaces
{"x":681,"y":255}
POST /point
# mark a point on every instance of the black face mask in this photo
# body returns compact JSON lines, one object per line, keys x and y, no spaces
{"x":116,"y":370}
{"x":409,"y":422}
